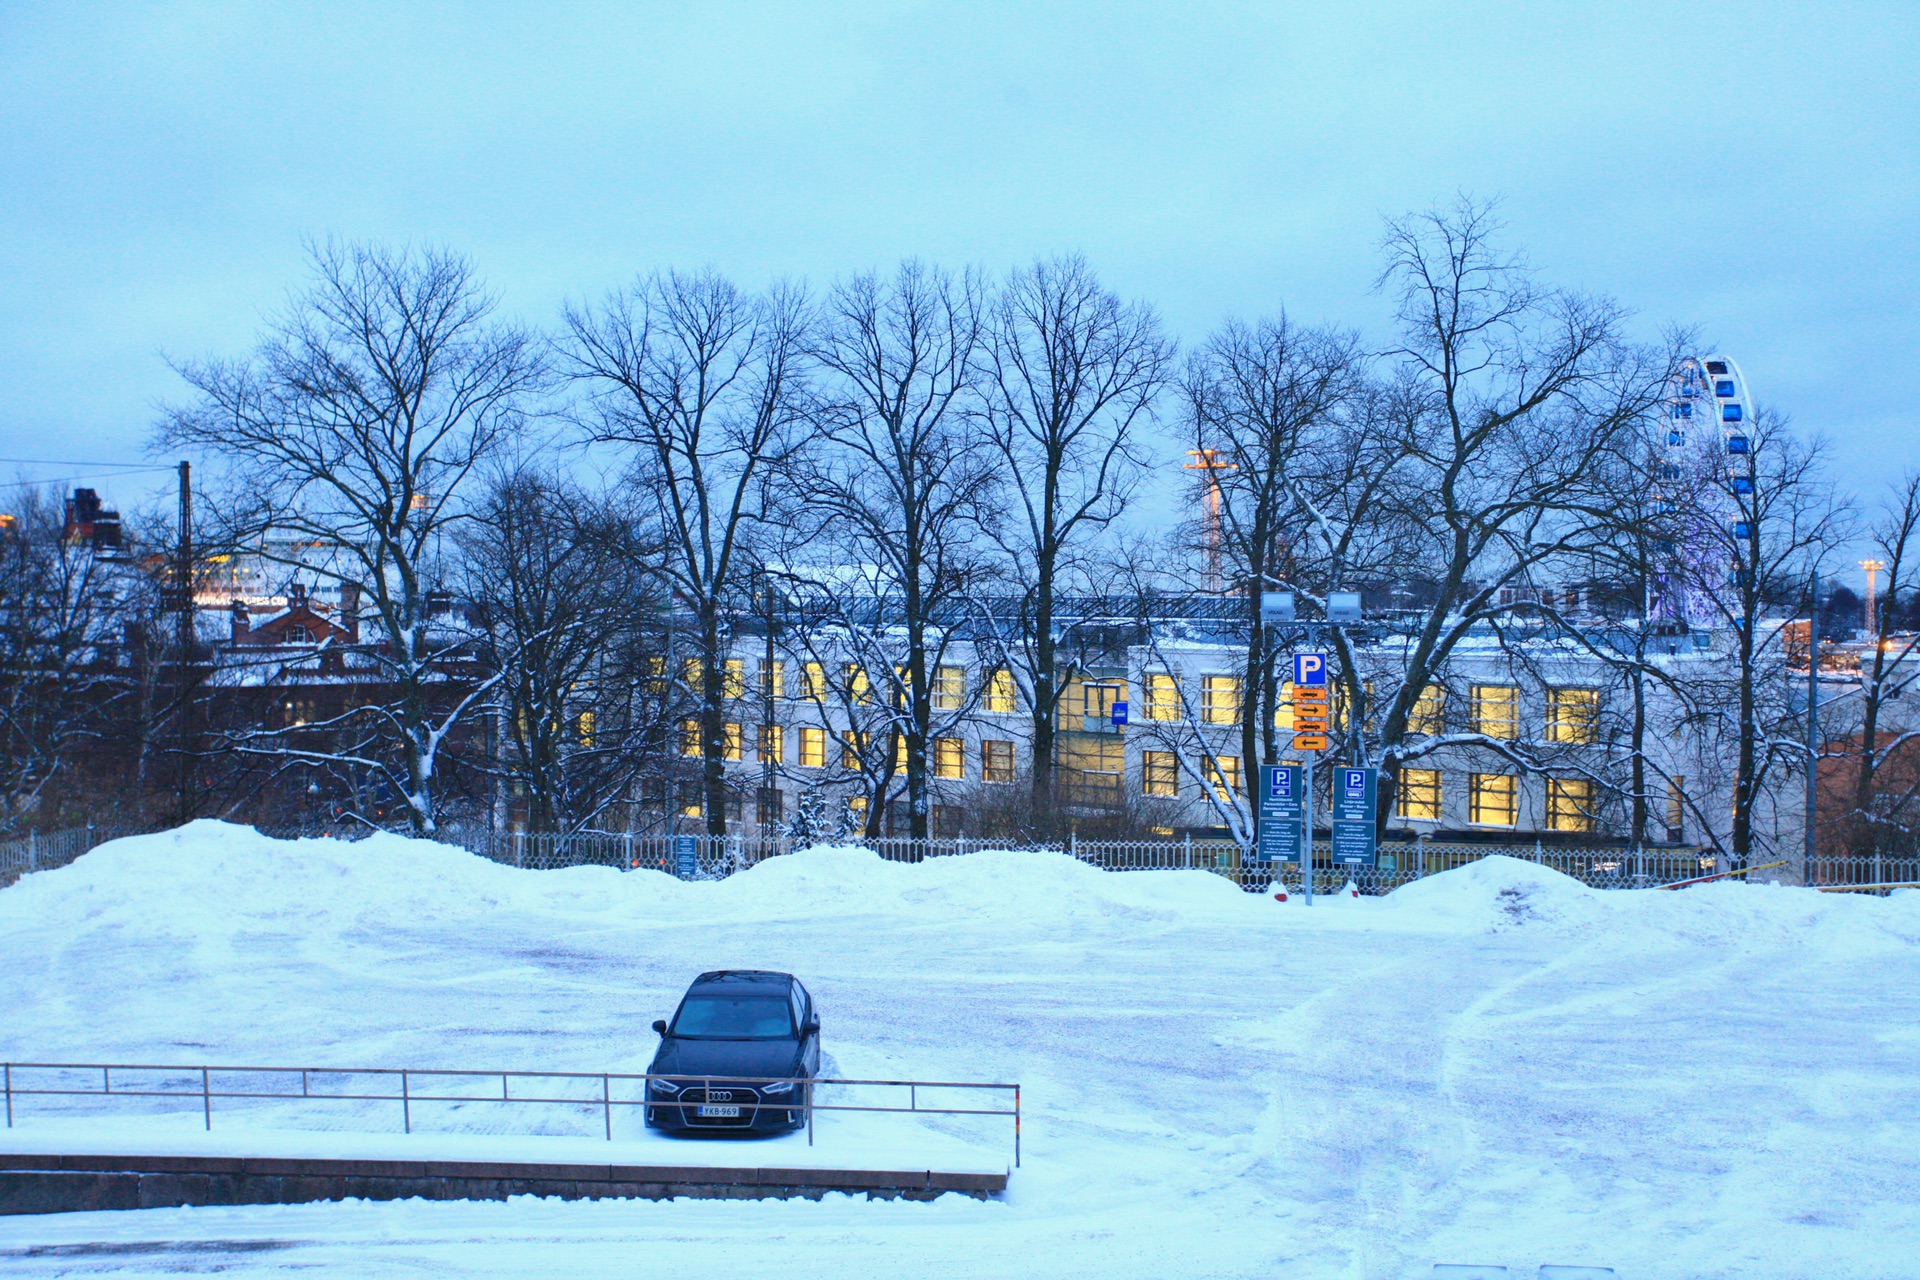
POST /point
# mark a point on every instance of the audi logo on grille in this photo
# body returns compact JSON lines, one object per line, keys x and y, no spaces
{"x":719,"y":1095}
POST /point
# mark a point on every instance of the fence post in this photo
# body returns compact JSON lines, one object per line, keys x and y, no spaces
{"x":33,"y":850}
{"x":206,"y":1099}
{"x":1016,"y":1126}
{"x":606,"y":1106}
{"x":9,"y":1095}
{"x":809,"y":1112}
{"x":406,"y":1105}
{"x":1186,"y":851}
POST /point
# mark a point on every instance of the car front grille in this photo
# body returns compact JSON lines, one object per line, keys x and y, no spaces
{"x":723,"y":1096}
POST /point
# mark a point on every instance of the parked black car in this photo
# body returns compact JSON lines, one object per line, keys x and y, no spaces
{"x":748,"y":1037}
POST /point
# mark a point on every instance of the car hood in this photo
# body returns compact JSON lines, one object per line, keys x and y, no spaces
{"x":737,"y":1059}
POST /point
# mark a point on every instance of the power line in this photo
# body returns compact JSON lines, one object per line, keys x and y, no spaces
{"x":80,"y":462}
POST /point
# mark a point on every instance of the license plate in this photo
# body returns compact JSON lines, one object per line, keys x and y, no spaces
{"x":720,"y":1113}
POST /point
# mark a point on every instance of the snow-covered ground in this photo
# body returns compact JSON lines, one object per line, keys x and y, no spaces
{"x":1493,"y":1065}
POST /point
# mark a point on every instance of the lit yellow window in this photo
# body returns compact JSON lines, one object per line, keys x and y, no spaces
{"x":813,"y":682}
{"x":1429,"y":714}
{"x":852,"y":747}
{"x":859,"y":689}
{"x":733,"y":678}
{"x":1492,"y":799}
{"x":949,"y":758}
{"x":585,"y":728}
{"x":1283,"y":713}
{"x":773,"y":679}
{"x":996,"y":761}
{"x":1220,"y":699}
{"x":1159,"y":774}
{"x":772,"y":740}
{"x":998,"y":695}
{"x":1342,"y":709}
{"x":1417,"y":794}
{"x":690,"y":801}
{"x":1569,"y":804}
{"x":734,"y":746}
{"x":949,"y":688}
{"x":1496,"y":711}
{"x":1573,"y":716}
{"x":1223,"y":772}
{"x":1676,"y":807}
{"x":813,"y":748}
{"x":899,"y":753}
{"x":691,"y":672}
{"x":1096,"y":700}
{"x":656,"y":676}
{"x":1163,"y":697}
{"x":689,"y":737}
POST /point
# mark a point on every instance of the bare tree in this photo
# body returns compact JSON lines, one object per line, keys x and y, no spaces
{"x":904,"y":483}
{"x":1882,"y":814}
{"x":564,"y":589}
{"x":705,"y":385}
{"x":1506,"y":397}
{"x":1771,"y":516}
{"x":64,"y":609}
{"x":1269,"y":405}
{"x":357,"y":424}
{"x":1072,"y":375}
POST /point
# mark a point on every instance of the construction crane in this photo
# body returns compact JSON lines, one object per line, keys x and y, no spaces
{"x":1874,"y":568}
{"x":1210,"y":462}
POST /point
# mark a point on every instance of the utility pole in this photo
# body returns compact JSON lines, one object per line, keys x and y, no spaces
{"x":183,"y":663}
{"x":1813,"y":726}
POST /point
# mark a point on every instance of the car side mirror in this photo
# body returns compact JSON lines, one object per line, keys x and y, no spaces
{"x":660,"y":1025}
{"x":811,"y":1029}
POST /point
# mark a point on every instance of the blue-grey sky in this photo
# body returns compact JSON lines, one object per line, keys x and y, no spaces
{"x":1746,"y":168}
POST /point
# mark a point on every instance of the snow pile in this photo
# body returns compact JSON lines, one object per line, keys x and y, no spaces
{"x":1494,"y":1064}
{"x":1499,"y":892}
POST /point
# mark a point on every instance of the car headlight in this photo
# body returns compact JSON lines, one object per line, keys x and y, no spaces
{"x":663,"y":1086}
{"x":778,"y":1086}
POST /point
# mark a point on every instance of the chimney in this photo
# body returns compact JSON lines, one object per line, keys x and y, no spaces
{"x":350,"y":610}
{"x":242,"y":622}
{"x":296,"y":596}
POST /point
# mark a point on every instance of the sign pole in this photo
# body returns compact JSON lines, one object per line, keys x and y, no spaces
{"x":1306,"y":835}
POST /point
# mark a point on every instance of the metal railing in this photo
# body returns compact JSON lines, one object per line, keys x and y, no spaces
{"x":703,"y":857}
{"x":43,"y":851}
{"x":1877,"y":872}
{"x":1399,"y":862}
{"x":151,"y":1080}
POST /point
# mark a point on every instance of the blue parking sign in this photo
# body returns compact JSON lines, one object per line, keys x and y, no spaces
{"x":1310,"y":669}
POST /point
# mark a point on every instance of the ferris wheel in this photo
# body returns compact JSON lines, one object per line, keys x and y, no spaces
{"x":1703,"y":491}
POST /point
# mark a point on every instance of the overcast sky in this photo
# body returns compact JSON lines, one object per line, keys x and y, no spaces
{"x":1746,"y":168}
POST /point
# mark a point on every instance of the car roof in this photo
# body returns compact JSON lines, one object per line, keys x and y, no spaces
{"x":743,"y":978}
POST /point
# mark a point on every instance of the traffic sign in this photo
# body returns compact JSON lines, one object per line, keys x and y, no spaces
{"x":1282,"y":813}
{"x":1356,"y":793}
{"x":1311,"y":720}
{"x":1119,"y":714}
{"x":1310,"y":670}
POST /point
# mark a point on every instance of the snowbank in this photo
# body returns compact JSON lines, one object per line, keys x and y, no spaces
{"x":1493,"y":1064}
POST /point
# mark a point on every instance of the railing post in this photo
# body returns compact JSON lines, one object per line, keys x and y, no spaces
{"x":33,"y":850}
{"x":606,"y":1106}
{"x":406,"y":1104}
{"x":206,"y":1099}
{"x":9,"y":1095}
{"x":809,"y":1113}
{"x":1016,"y":1126}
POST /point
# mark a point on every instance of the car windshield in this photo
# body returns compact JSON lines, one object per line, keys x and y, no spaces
{"x":712,"y":1017}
